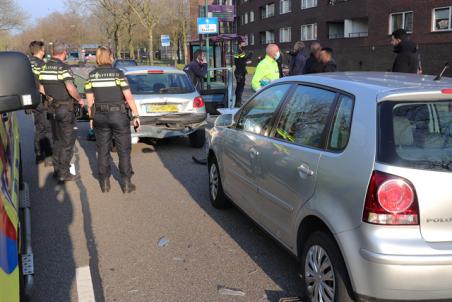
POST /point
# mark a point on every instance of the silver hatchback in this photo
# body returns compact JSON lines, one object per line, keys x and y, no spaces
{"x":352,"y":173}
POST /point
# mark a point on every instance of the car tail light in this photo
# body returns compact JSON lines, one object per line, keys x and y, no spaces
{"x":390,"y":200}
{"x":198,"y":102}
{"x":155,"y":71}
{"x":6,"y":226}
{"x":446,"y":91}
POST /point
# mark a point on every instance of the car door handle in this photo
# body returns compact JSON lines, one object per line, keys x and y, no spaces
{"x":253,"y":152}
{"x":305,"y":169}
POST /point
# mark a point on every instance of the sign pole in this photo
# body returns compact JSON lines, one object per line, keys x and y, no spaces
{"x":207,"y":45}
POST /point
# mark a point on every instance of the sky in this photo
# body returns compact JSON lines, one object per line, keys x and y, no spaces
{"x":41,"y":8}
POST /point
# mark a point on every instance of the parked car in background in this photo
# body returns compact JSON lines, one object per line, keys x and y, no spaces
{"x":168,"y":104}
{"x":120,"y":63}
{"x":352,"y":173}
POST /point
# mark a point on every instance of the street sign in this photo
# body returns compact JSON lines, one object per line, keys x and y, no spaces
{"x":224,"y":13}
{"x":207,"y":26}
{"x":165,"y":39}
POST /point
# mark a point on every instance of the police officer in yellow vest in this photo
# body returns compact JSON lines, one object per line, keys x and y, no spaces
{"x":267,"y":70}
{"x":57,"y":79}
{"x":107,"y":94}
{"x":241,"y":60}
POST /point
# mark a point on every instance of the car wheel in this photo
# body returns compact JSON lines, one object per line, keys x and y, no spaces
{"x":217,"y":197}
{"x":197,"y":138}
{"x":323,"y":270}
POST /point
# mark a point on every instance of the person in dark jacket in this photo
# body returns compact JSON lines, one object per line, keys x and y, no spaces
{"x":197,"y":69}
{"x":407,"y":59}
{"x":326,"y":58}
{"x":241,"y":60}
{"x":298,"y":59}
{"x":313,"y":64}
{"x":279,"y":60}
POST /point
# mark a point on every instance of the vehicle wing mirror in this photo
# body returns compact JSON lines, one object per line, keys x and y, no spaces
{"x":17,"y":83}
{"x":225,"y":120}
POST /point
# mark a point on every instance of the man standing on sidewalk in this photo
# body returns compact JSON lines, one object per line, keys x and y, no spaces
{"x":267,"y":70}
{"x":241,"y":60}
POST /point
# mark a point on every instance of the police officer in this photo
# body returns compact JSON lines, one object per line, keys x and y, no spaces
{"x":58,"y":82}
{"x":109,"y":97}
{"x":241,"y":60}
{"x":43,"y":131}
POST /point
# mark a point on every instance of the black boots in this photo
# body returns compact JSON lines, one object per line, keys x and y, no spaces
{"x":105,"y":185}
{"x":127,"y":186}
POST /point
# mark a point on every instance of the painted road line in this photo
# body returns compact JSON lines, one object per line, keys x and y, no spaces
{"x":85,"y":289}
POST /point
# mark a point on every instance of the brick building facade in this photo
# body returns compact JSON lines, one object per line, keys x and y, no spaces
{"x":357,"y":30}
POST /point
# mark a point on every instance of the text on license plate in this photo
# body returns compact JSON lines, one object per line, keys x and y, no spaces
{"x":161,"y":108}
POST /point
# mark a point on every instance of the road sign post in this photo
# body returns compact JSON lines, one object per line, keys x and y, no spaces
{"x":207,"y":26}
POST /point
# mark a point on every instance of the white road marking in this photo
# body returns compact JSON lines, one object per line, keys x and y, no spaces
{"x":85,"y":289}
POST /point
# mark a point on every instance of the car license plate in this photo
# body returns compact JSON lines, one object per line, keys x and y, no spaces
{"x":161,"y":108}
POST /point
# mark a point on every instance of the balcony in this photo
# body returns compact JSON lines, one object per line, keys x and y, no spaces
{"x":349,"y":28}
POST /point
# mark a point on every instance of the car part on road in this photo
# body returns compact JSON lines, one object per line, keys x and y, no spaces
{"x":222,"y":290}
{"x":217,"y":197}
{"x":163,"y":241}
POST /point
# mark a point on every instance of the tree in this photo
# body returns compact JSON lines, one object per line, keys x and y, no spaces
{"x":149,"y":13}
{"x":11,"y":15}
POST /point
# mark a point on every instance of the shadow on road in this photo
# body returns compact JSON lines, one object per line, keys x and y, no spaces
{"x":276,"y":262}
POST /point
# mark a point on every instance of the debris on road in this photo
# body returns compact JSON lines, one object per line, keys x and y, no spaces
{"x":230,"y":291}
{"x":163,"y":241}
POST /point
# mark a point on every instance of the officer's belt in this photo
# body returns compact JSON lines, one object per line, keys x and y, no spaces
{"x":110,"y":107}
{"x":63,"y":102}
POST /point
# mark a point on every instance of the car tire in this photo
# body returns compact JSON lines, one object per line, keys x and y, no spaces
{"x":197,"y":138}
{"x":217,"y":197}
{"x":321,"y":250}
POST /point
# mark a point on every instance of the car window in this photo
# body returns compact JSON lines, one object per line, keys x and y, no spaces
{"x":257,"y":114}
{"x":164,"y":83}
{"x":342,"y":124}
{"x":416,"y":134}
{"x":305,"y":116}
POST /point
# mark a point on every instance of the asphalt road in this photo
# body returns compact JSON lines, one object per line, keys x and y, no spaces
{"x":204,"y":251}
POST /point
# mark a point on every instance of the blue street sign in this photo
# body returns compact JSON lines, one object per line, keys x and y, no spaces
{"x":165,"y":39}
{"x":207,"y":26}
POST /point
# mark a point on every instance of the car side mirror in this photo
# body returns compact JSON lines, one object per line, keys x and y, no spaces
{"x":225,"y":120}
{"x":17,"y":83}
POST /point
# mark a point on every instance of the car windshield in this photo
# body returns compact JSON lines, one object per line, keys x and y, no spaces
{"x":416,"y":134}
{"x":125,"y":63}
{"x":165,"y":83}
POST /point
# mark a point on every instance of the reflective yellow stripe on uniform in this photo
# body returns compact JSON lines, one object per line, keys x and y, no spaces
{"x":88,"y":86}
{"x":48,"y":75}
{"x":104,"y":84}
{"x":239,"y":56}
{"x":36,"y":70}
{"x":121,"y":83}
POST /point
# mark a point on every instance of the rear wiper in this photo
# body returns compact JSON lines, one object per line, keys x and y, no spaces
{"x":446,"y":165}
{"x":172,"y":89}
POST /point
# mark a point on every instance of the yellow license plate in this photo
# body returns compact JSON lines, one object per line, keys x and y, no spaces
{"x":161,"y":108}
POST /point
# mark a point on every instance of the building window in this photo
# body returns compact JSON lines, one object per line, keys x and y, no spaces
{"x":245,"y":21}
{"x":401,"y":20}
{"x":285,"y":35}
{"x":267,"y":11}
{"x":267,"y":37}
{"x":285,"y":6}
{"x":251,"y":39}
{"x":442,"y":18}
{"x":309,"y":32}
{"x":308,"y":4}
{"x":251,"y":16}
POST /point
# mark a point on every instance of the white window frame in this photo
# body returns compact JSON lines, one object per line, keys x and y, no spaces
{"x":269,"y":41}
{"x":391,"y":30}
{"x":434,"y":19}
{"x":289,"y":37}
{"x":251,"y":39}
{"x":245,"y":18}
{"x":304,"y":6}
{"x":281,"y":6}
{"x":314,"y":32}
{"x":251,"y":14}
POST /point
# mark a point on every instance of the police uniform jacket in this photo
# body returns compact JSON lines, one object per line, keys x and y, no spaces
{"x":107,"y":85}
{"x":36,"y":66}
{"x":53,"y":76}
{"x":240,"y":60}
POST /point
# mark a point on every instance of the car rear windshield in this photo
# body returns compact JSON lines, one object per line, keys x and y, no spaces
{"x":165,"y":83}
{"x":416,"y":134}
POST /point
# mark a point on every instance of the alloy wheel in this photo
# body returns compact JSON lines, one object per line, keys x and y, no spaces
{"x":319,"y":275}
{"x":213,"y":181}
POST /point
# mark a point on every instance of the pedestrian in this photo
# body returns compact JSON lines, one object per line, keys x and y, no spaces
{"x":407,"y":59}
{"x":297,"y":60}
{"x":279,"y":61}
{"x":267,"y":70}
{"x":58,"y":83}
{"x":109,"y":98}
{"x":326,"y":58}
{"x":313,"y":64}
{"x":197,"y":69}
{"x":241,"y":60}
{"x":43,"y":130}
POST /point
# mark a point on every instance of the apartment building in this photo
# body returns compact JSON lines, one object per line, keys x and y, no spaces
{"x":359,"y":31}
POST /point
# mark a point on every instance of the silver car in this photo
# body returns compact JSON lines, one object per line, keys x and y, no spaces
{"x":168,"y":104}
{"x":352,"y":172}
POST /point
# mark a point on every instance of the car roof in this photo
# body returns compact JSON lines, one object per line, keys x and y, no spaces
{"x":381,"y":84}
{"x":145,"y":69}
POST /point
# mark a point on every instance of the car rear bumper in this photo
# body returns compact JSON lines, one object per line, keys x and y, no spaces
{"x":396,"y":264}
{"x":170,"y":125}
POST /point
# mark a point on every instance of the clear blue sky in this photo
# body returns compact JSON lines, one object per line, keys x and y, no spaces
{"x":41,"y":8}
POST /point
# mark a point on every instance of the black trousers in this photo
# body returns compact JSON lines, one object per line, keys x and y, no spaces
{"x":115,"y":126}
{"x":240,"y":78}
{"x":64,"y":135}
{"x":43,"y":133}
